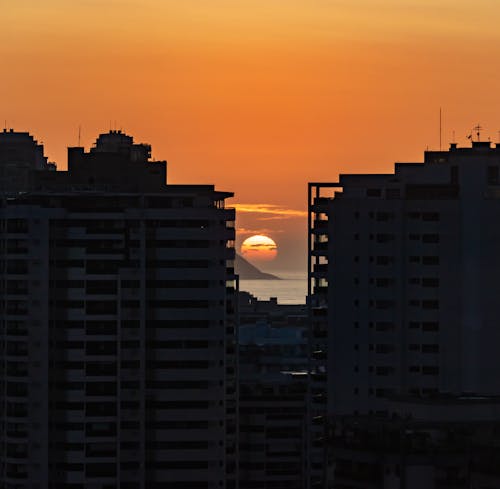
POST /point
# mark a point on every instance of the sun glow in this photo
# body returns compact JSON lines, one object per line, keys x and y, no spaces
{"x":259,"y":248}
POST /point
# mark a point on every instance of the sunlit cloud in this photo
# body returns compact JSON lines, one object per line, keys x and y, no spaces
{"x":270,"y":211}
{"x":264,"y":246}
{"x":245,"y":231}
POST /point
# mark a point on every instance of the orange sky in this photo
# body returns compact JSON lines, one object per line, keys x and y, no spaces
{"x":256,"y":96}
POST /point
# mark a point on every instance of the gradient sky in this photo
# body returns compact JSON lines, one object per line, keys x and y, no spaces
{"x":256,"y":96}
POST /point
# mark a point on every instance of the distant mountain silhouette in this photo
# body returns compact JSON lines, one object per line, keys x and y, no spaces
{"x":247,"y":271}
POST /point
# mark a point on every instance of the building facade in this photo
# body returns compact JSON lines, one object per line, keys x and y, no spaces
{"x":118,"y":365}
{"x":272,"y":394}
{"x":404,"y":275}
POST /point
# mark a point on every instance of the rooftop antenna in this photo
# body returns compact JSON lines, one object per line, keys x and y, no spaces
{"x":454,"y":136}
{"x":440,"y":128}
{"x":478,"y":129}
{"x":79,"y":135}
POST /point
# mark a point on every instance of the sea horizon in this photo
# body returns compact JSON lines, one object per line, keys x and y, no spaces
{"x":290,"y":288}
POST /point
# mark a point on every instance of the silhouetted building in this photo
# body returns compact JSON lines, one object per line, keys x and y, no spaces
{"x":21,"y":157}
{"x":272,"y":393}
{"x":118,"y":365}
{"x":404,"y":274}
{"x":433,"y":443}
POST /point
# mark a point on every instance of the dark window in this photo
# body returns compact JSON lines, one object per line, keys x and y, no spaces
{"x":100,"y":409}
{"x":100,"y":388}
{"x":384,"y":282}
{"x":387,"y":348}
{"x":385,"y":238}
{"x":100,"y":368}
{"x":393,"y":193}
{"x":101,"y":327}
{"x":430,"y":326}
{"x":100,"y":348}
{"x":384,"y":370}
{"x":100,"y":470}
{"x":101,"y":307}
{"x":430,"y":282}
{"x":430,"y":304}
{"x":430,"y":260}
{"x":430,"y":370}
{"x":430,"y":216}
{"x":384,"y":326}
{"x":373,"y":192}
{"x":101,"y":287}
{"x":430,"y":238}
{"x":429,"y":191}
{"x":384,"y":260}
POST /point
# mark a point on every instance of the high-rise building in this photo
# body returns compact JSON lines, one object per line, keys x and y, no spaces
{"x":403,"y":283}
{"x":118,"y":363}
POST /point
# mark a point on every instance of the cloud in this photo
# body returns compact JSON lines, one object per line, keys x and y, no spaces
{"x":265,"y":231}
{"x":264,"y":246}
{"x":271,"y":211}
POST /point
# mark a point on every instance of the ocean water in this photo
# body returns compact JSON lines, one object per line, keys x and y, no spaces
{"x":292,"y":289}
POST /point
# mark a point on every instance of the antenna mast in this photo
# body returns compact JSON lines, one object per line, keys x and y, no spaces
{"x":478,"y":129}
{"x":440,"y":129}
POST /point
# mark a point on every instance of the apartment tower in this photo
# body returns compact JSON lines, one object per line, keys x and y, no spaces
{"x":404,"y":279}
{"x":118,"y":364}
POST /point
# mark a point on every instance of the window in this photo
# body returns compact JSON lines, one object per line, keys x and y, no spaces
{"x":430,"y":238}
{"x":430,"y":326}
{"x":384,"y":282}
{"x":430,"y":304}
{"x":384,"y":326}
{"x":384,"y":348}
{"x":384,"y":304}
{"x":433,"y":348}
{"x":393,"y":193}
{"x":384,"y":370}
{"x":384,"y":216}
{"x":430,"y":216}
{"x":385,"y":238}
{"x":430,"y":370}
{"x":384,"y":260}
{"x":430,"y":260}
{"x":430,"y":282}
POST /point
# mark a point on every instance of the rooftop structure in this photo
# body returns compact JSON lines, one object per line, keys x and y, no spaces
{"x":20,"y":157}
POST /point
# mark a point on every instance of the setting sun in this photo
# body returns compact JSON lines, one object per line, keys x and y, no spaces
{"x":259,"y":248}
